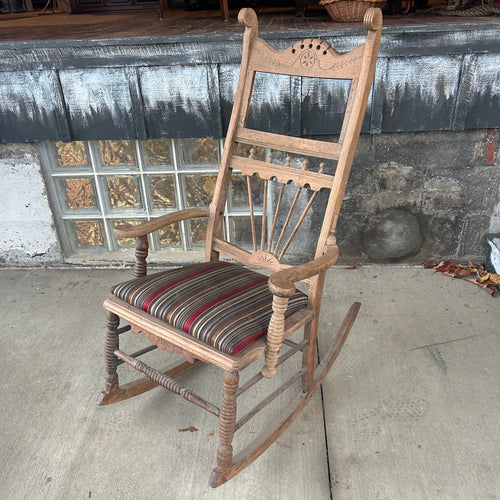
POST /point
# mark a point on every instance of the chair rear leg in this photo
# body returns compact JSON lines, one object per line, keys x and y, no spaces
{"x":311,"y":333}
{"x":227,"y":421}
{"x":111,"y":361}
{"x":309,"y":354}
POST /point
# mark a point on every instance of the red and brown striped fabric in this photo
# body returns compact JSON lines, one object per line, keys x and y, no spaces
{"x":221,"y":303}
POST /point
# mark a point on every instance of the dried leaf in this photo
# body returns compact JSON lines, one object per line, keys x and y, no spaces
{"x":471,"y":272}
{"x":354,"y":266}
{"x":490,"y":277}
{"x":429,"y":264}
{"x":190,"y":429}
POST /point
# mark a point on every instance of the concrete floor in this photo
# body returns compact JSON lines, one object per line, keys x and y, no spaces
{"x":409,"y":411}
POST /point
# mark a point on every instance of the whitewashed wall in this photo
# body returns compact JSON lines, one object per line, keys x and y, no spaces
{"x":27,"y":230}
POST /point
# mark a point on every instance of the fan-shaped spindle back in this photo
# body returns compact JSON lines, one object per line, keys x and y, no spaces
{"x":274,"y":249}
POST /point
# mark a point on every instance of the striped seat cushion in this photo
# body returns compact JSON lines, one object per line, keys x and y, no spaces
{"x":221,"y":303}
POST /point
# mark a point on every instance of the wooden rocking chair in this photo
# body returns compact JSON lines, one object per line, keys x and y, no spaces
{"x":222,"y":312}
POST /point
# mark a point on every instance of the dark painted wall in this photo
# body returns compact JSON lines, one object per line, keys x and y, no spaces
{"x":440,"y":77}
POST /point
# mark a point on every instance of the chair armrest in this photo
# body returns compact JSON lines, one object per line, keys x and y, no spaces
{"x":282,"y":283}
{"x":129,"y":231}
{"x":282,"y":286}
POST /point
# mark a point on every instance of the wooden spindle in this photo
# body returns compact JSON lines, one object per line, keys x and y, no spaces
{"x":167,"y":382}
{"x":227,"y":420}
{"x":331,"y":240}
{"x":275,"y":219}
{"x":250,"y":204}
{"x":297,"y":226}
{"x":275,"y":334}
{"x":278,"y":206}
{"x":290,"y":211}
{"x":264,"y":216}
{"x":111,"y":343}
{"x":141,"y":254}
{"x":264,"y":207}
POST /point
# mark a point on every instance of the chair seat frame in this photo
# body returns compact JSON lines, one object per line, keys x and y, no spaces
{"x":358,"y":65}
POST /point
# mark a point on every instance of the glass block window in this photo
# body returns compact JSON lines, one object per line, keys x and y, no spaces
{"x":98,"y":185}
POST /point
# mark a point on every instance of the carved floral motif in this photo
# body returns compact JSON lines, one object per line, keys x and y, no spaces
{"x":264,"y":259}
{"x":307,"y":59}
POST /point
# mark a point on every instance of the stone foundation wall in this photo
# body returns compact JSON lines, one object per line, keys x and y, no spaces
{"x":418,"y":196}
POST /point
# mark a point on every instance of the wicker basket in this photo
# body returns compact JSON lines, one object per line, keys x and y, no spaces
{"x":349,"y":11}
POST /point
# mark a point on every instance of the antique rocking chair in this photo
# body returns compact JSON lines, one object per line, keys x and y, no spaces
{"x":221,"y":312}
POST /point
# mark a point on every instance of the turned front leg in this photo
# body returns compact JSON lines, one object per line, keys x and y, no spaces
{"x":275,"y":335}
{"x":110,"y":346}
{"x":227,"y":420}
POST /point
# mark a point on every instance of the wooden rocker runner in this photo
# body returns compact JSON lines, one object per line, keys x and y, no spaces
{"x":221,"y":311}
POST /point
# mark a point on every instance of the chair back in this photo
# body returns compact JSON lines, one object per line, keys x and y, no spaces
{"x":276,"y":215}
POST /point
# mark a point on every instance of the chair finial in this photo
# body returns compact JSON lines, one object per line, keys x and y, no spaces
{"x":373,"y":19}
{"x":248,"y":18}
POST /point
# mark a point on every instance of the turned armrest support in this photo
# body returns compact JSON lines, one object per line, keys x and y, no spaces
{"x":129,"y":231}
{"x":140,"y":231}
{"x":282,"y":283}
{"x":282,"y":286}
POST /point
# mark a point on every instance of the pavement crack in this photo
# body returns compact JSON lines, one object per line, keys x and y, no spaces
{"x":451,"y":341}
{"x":327,"y":452}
